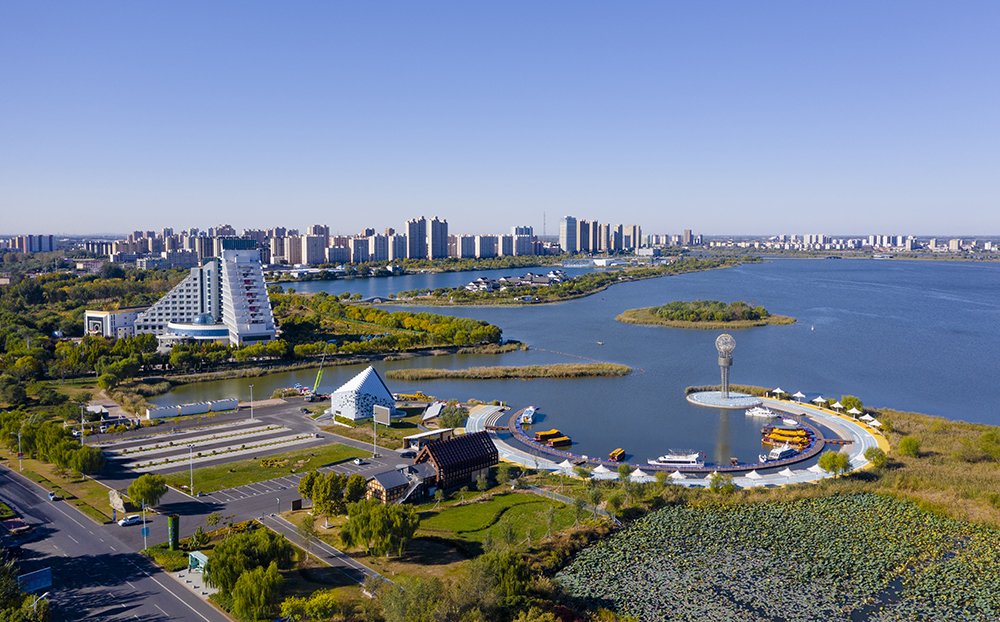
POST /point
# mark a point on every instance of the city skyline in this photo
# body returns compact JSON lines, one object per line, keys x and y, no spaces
{"x":739,"y":120}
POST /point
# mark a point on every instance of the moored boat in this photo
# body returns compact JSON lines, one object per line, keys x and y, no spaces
{"x":560,"y":441}
{"x":680,"y":458}
{"x":760,"y":411}
{"x":547,"y":435}
{"x":779,"y":453}
{"x":528,"y":416}
{"x":617,"y":455}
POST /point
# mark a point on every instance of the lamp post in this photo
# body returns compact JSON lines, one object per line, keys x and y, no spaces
{"x":38,"y":598}
{"x":278,"y":501}
{"x":145,"y":530}
{"x":251,"y":402}
{"x":19,"y":454}
{"x":191,"y":464}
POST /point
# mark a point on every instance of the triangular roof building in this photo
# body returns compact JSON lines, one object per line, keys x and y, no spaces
{"x":355,"y":399}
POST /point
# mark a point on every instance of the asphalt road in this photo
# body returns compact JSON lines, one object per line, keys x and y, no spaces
{"x":95,"y":574}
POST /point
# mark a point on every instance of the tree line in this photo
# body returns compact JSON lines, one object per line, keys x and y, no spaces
{"x":709,"y":311}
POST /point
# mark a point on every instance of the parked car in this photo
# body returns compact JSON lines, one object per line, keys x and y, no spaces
{"x":358,"y":461}
{"x":130,"y":520}
{"x":104,"y":429}
{"x":408,"y":454}
{"x":13,"y":551}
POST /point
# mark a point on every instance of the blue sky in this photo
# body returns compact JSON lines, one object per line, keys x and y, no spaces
{"x":722,"y":117}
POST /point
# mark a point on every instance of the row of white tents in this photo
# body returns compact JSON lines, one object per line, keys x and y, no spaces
{"x":821,"y":401}
{"x":602,"y":472}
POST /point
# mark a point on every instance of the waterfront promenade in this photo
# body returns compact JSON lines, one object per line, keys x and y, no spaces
{"x":861,"y":437}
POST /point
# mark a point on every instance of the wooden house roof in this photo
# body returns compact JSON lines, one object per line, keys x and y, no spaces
{"x":459,"y":452}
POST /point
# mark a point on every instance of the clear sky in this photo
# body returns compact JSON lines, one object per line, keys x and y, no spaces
{"x":722,"y":117}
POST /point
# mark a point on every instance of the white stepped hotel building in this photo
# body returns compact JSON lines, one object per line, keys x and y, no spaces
{"x":225,"y":299}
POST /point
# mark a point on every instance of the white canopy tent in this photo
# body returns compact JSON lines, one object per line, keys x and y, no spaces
{"x":837,"y":405}
{"x":799,"y":395}
{"x":641,"y":476}
{"x":711,"y":476}
{"x":677,"y":475}
{"x":867,"y":418}
{"x":875,"y":423}
{"x":566,"y":467}
{"x":603,"y":472}
{"x":819,"y":400}
{"x":816,"y":469}
{"x":787,"y":472}
{"x":778,"y":391}
{"x":754,"y":475}
{"x":854,"y":411}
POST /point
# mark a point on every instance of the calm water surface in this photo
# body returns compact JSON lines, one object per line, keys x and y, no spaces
{"x":918,"y":336}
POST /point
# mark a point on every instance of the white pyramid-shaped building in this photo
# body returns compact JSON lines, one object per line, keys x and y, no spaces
{"x":355,"y":399}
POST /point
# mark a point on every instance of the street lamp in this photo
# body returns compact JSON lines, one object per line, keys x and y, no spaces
{"x":251,"y":402}
{"x":38,"y":598}
{"x":278,"y":501}
{"x":19,"y":454}
{"x":191,"y":463}
{"x":145,"y":530}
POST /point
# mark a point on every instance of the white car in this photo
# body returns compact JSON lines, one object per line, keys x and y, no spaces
{"x":130,"y":520}
{"x":358,"y":461}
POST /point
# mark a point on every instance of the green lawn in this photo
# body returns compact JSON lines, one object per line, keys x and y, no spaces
{"x":473,"y":521}
{"x":388,"y":438}
{"x":229,"y":475}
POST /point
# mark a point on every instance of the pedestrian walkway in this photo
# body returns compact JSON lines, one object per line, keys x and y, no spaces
{"x":195,"y":582}
{"x":334,"y":558}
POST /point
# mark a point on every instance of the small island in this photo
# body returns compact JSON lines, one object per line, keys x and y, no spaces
{"x":566,"y":370}
{"x":705,"y":314}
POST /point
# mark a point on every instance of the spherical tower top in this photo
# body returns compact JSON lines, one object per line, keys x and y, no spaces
{"x":725,"y":344}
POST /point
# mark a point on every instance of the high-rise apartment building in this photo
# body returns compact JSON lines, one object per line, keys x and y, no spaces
{"x":633,"y":236}
{"x":224,"y":299}
{"x":583,"y":236}
{"x":486,"y":246}
{"x":378,"y":248}
{"x":687,"y":238}
{"x":313,"y":249}
{"x":416,"y":237}
{"x":528,"y":231}
{"x":567,"y":235}
{"x":397,"y":247}
{"x":437,"y":239}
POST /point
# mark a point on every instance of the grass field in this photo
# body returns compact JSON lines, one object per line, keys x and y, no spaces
{"x":229,"y":475}
{"x":388,"y":438}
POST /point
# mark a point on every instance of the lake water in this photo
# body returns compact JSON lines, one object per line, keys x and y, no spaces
{"x":918,"y":336}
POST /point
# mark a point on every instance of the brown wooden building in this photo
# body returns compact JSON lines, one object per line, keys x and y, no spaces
{"x":460,"y":460}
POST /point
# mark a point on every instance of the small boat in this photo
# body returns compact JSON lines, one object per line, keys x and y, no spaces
{"x":617,"y":455}
{"x":760,"y":411}
{"x":778,"y":453}
{"x":528,"y":416}
{"x":547,"y":435}
{"x":560,"y":441}
{"x":600,"y":343}
{"x":680,"y":458}
{"x":791,"y":422}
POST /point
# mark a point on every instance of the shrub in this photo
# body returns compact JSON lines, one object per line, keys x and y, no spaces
{"x":910,"y":446}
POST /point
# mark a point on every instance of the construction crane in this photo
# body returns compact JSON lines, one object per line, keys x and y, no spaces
{"x":319,"y":374}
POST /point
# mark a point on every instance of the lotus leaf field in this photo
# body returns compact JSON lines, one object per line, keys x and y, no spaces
{"x":845,"y":557}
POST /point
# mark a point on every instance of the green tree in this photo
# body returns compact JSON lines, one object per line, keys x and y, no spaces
{"x":307,"y":482}
{"x":849,"y":402}
{"x":482,"y":484}
{"x":381,"y":529}
{"x":256,"y":592}
{"x":198,"y":540}
{"x":722,"y":484}
{"x":240,"y":553}
{"x":328,"y":494}
{"x":148,"y":489}
{"x":355,"y":489}
{"x":411,"y":599}
{"x":615,"y":501}
{"x":503,"y":474}
{"x":877,"y":457}
{"x":834,"y":462}
{"x":213,"y":519}
{"x":910,"y":446}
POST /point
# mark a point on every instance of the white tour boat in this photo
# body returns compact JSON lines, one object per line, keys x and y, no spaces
{"x":528,"y":416}
{"x":680,"y":458}
{"x":760,"y":411}
{"x":779,"y":453}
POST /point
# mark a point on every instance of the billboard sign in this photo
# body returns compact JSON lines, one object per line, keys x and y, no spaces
{"x":34,"y":581}
{"x":382,"y":414}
